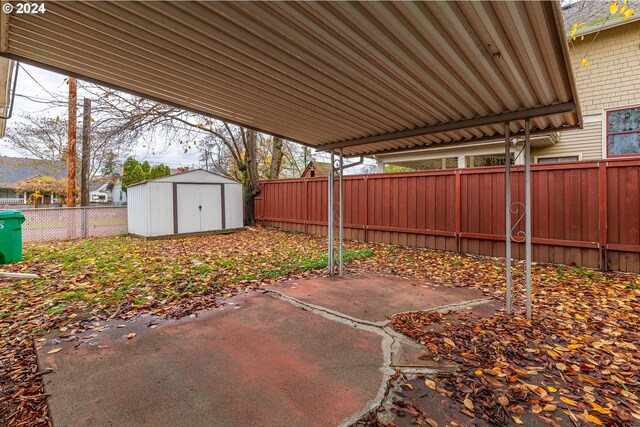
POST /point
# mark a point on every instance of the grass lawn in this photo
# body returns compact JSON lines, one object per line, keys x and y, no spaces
{"x":586,"y":322}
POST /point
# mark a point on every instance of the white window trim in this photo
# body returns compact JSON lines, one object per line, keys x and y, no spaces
{"x":553,"y":156}
{"x":604,"y":132}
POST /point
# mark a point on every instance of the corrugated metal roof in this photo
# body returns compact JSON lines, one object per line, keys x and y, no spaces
{"x":366,"y":76}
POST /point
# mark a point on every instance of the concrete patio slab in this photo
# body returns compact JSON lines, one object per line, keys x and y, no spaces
{"x":374,"y":297}
{"x":267,"y":363}
{"x":308,"y":353}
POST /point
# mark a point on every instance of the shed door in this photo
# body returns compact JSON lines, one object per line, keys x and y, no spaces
{"x":199,"y":207}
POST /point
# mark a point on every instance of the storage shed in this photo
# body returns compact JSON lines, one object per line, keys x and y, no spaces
{"x":191,"y":202}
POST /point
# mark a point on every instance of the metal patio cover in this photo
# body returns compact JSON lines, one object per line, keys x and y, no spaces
{"x":366,"y":77}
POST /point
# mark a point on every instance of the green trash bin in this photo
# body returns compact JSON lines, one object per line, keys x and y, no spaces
{"x":11,"y":236}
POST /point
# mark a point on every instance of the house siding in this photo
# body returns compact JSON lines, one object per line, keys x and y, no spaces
{"x":585,"y":143}
{"x":611,"y":80}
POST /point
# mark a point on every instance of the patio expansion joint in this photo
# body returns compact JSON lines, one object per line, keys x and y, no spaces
{"x":391,"y":344}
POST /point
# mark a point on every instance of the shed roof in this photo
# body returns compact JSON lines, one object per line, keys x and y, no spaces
{"x":193,"y":176}
{"x":368,"y":77}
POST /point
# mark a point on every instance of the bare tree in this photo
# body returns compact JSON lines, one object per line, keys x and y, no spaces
{"x":40,"y":137}
{"x":228,"y":149}
{"x":121,"y":121}
{"x":45,"y":138}
{"x":276,"y":157}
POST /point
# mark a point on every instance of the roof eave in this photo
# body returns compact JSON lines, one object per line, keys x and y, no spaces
{"x":606,"y":25}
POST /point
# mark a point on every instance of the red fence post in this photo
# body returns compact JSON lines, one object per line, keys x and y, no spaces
{"x":602,"y":200}
{"x":458,"y":201}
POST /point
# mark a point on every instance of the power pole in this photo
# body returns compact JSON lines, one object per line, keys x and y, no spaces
{"x":86,"y":152}
{"x":71,"y":144}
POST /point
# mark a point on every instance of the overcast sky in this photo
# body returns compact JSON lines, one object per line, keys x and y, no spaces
{"x":41,"y":89}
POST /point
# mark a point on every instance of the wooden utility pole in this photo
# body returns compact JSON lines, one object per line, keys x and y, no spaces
{"x":71,"y":145}
{"x":86,"y":152}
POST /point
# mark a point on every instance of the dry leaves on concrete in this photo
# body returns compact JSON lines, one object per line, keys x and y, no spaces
{"x":579,"y":355}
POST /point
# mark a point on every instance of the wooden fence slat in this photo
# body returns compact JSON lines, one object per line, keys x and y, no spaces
{"x":585,"y":213}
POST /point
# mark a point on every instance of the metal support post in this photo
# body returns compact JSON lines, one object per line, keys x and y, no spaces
{"x":330,"y":217}
{"x":340,"y":217}
{"x":507,"y":220}
{"x":84,"y":222}
{"x":527,"y":201}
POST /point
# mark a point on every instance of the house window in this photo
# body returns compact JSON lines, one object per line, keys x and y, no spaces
{"x":558,"y":159}
{"x":422,"y":165}
{"x":623,"y":132}
{"x":486,"y":160}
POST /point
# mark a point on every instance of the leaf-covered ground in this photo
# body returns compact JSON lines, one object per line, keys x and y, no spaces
{"x":579,"y":353}
{"x":88,"y":280}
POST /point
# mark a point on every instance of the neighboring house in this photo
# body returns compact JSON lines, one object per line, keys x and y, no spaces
{"x":316,"y":169}
{"x":608,"y":92}
{"x":108,"y":192}
{"x":16,"y":169}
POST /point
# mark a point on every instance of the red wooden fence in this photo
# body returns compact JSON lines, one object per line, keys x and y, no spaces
{"x":585,"y":214}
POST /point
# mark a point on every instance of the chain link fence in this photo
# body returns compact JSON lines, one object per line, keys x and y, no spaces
{"x":47,"y":224}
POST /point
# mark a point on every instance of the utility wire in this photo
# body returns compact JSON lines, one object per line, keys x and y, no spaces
{"x":37,"y":82}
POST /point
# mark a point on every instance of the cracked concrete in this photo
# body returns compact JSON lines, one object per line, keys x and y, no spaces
{"x":315,"y":352}
{"x":391,"y":347}
{"x":391,"y":342}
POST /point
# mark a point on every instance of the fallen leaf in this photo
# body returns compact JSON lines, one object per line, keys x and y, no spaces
{"x":594,"y":419}
{"x":54,"y":350}
{"x":449,"y":342}
{"x":568,"y":401}
{"x":468,"y":403}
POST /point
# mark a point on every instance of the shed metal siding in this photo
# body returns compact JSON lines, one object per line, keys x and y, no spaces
{"x":233,"y":205}
{"x":138,"y":210}
{"x":160,"y":208}
{"x":151,"y":204}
